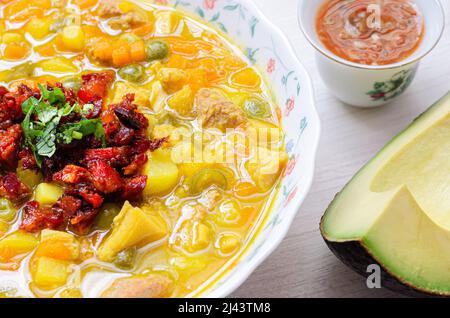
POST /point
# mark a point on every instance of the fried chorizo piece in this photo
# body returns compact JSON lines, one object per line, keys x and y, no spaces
{"x":133,"y":188}
{"x":36,"y":218}
{"x":95,"y":87}
{"x":13,"y":189}
{"x":104,"y":177}
{"x":10,"y":140}
{"x":10,"y":105}
{"x":72,"y":174}
{"x":114,"y":156}
{"x":87,"y":193}
{"x":68,"y":206}
{"x":83,"y":220}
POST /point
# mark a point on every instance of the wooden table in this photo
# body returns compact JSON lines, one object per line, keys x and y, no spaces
{"x":303,"y":266}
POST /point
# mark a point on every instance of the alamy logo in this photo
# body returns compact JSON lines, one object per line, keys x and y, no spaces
{"x":374,"y":279}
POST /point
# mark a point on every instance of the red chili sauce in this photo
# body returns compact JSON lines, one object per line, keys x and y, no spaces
{"x":371,"y":32}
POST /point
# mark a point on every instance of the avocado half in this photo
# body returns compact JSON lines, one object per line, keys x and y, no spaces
{"x":395,"y":212}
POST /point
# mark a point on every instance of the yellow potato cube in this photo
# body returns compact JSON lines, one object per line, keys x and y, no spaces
{"x":58,"y":245}
{"x":202,"y":236}
{"x":15,"y":244}
{"x":73,"y":38}
{"x":166,"y":22}
{"x":162,"y":175}
{"x":132,"y":227}
{"x":50,"y":273}
{"x":38,"y":28}
{"x":58,"y":65}
{"x":12,"y":37}
{"x":48,"y":193}
{"x":228,"y":243}
{"x":182,"y":101}
{"x":141,"y":95}
{"x":172,"y":79}
{"x":265,"y":167}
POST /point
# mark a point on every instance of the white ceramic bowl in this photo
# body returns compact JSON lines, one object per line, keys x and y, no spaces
{"x":363,"y":85}
{"x":269,"y":50}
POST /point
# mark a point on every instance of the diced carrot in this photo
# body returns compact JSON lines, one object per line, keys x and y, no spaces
{"x":177,"y":61}
{"x":47,"y":49}
{"x":103,"y":51}
{"x":246,"y":78}
{"x":85,"y":4}
{"x":16,"y":51}
{"x":121,"y":56}
{"x":187,"y":48}
{"x":197,"y":79}
{"x":137,"y":51}
{"x":144,"y":30}
{"x":211,"y":68}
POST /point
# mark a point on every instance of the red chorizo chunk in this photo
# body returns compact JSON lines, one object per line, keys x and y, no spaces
{"x":104,"y":177}
{"x":133,"y":188}
{"x":36,"y":218}
{"x":10,"y":105}
{"x":13,"y":189}
{"x":83,"y":220}
{"x":68,"y":206}
{"x":87,"y":193}
{"x":114,"y":156}
{"x":71,"y":174}
{"x":95,"y":86}
{"x":10,"y":141}
{"x":127,"y":113}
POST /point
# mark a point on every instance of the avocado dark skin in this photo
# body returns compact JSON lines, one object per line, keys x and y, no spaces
{"x":355,"y":256}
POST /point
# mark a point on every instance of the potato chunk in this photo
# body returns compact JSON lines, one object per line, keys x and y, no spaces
{"x":141,"y":95}
{"x":48,"y":193}
{"x":16,"y":244}
{"x":132,"y":227}
{"x":150,"y":286}
{"x":182,"y":101}
{"x":50,"y":272}
{"x":266,"y":167}
{"x":172,"y":79}
{"x":58,"y":245}
{"x":162,"y":175}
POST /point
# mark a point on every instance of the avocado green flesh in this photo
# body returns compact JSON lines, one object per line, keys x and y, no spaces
{"x":398,"y":205}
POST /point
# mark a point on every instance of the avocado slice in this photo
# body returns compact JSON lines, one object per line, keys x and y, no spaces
{"x":395,"y":212}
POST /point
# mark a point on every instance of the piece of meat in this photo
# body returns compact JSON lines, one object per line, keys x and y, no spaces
{"x":27,"y":161}
{"x":133,"y":188}
{"x":72,"y":174}
{"x":95,"y":86}
{"x":10,"y":140}
{"x":10,"y":105}
{"x":87,"y":193}
{"x":136,"y":165}
{"x":150,"y":286}
{"x":217,"y":111}
{"x":127,"y":21}
{"x":108,"y":9}
{"x":13,"y":189}
{"x":104,"y":177}
{"x":68,"y":206}
{"x":128,"y":115}
{"x":36,"y":218}
{"x":83,"y":220}
{"x":114,"y":156}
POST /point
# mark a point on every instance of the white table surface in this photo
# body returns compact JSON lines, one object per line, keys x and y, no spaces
{"x":303,"y":266}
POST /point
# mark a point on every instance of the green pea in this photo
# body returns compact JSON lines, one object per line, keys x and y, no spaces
{"x":206,"y":178}
{"x":157,"y":50}
{"x":129,"y":37}
{"x":125,"y":260}
{"x":72,"y":82}
{"x":257,"y":108}
{"x":7,"y":210}
{"x":133,"y":73}
{"x":106,"y":216}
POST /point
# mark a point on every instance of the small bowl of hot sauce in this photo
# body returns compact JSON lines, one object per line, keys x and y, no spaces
{"x":368,"y":51}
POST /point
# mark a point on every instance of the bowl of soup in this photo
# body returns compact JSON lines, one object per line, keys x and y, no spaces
{"x":368,"y":52}
{"x":147,"y":148}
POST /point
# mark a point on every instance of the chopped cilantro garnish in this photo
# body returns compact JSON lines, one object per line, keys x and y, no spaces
{"x":41,"y":126}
